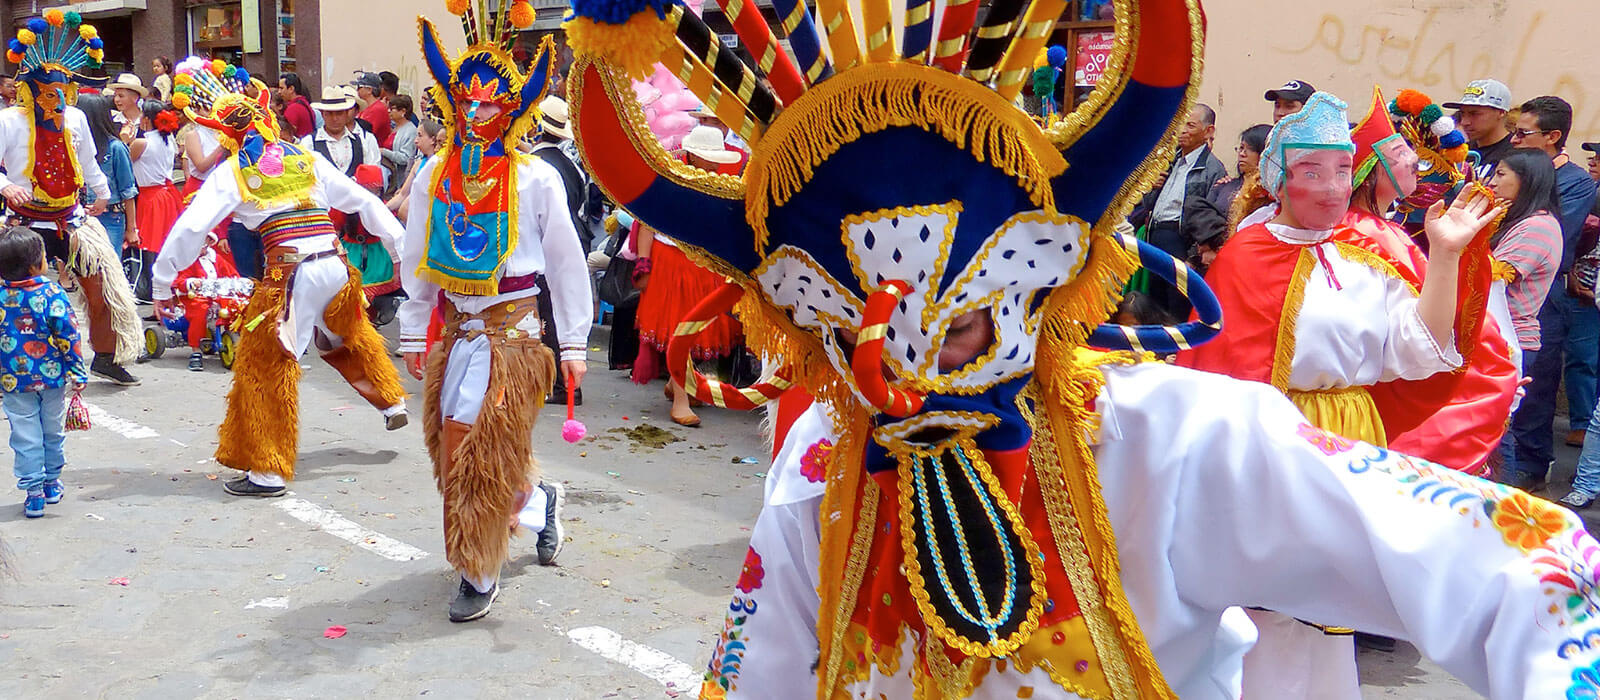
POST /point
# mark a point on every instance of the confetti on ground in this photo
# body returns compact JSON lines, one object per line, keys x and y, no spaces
{"x":334,"y":632}
{"x":119,"y":581}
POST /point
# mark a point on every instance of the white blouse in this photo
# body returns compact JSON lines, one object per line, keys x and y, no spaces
{"x":154,"y":166}
{"x":1358,"y":326}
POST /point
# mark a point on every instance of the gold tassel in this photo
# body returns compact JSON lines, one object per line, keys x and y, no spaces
{"x":851,"y":104}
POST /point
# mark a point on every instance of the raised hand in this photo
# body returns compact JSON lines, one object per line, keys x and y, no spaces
{"x":1450,"y":230}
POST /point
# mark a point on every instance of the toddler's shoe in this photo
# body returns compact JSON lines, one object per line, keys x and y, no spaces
{"x":33,"y":506}
{"x":196,"y":364}
{"x":53,"y":491}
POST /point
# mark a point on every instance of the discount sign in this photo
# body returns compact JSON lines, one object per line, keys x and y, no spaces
{"x":1094,"y":51}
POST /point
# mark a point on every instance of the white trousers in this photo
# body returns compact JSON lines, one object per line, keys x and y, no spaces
{"x":1295,"y":660}
{"x":466,"y":380}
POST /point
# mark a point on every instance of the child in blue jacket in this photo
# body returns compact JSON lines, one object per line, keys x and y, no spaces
{"x":39,"y":364}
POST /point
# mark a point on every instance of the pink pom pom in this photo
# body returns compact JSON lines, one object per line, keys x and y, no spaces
{"x":573,"y":431}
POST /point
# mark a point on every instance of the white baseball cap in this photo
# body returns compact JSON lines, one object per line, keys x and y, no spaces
{"x":1484,"y":93}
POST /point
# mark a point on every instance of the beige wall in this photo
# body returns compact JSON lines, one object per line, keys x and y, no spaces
{"x":379,"y":36}
{"x":1536,"y":47}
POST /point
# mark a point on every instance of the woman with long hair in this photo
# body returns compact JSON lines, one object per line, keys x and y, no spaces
{"x":122,"y":210}
{"x":1528,"y":247}
{"x":428,"y":140}
{"x":154,"y":153}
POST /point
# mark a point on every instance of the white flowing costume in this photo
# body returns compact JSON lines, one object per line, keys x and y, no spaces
{"x":1257,"y":509}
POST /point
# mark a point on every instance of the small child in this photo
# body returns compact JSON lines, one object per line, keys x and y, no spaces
{"x":41,"y":362}
{"x":211,"y":282}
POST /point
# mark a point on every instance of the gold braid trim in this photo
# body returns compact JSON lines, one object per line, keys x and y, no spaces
{"x":851,"y":104}
{"x":849,"y":517}
{"x":1293,"y":301}
{"x":1070,"y":386}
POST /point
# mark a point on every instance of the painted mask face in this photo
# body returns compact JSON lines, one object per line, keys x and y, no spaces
{"x":50,"y":103}
{"x":1400,"y":161}
{"x":1317,"y":191}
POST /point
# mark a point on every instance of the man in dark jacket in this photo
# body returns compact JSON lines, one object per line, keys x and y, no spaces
{"x":1193,"y":174}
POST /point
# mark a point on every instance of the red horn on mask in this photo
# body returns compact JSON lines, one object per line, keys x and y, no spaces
{"x":866,"y":363}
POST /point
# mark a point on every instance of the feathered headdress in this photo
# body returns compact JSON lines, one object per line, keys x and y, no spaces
{"x":1441,"y":148}
{"x":212,"y":94}
{"x":53,"y":49}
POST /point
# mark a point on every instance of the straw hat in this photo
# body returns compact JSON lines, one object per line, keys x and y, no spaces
{"x":707,"y":142}
{"x":334,"y":99}
{"x":129,"y":81}
{"x":555,"y":118}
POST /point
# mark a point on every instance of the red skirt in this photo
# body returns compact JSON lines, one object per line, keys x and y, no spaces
{"x":158,"y":208}
{"x":676,"y":286}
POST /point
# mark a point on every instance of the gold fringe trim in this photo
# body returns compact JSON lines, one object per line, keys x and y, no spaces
{"x":1293,"y":300}
{"x":634,"y":46}
{"x":1072,"y":382}
{"x":1504,"y":272}
{"x":842,"y":109}
{"x":1072,"y":311}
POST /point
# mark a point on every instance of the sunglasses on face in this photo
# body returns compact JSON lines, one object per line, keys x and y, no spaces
{"x":1525,"y":133}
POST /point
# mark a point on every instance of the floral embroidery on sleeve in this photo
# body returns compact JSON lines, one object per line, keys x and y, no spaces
{"x":1329,"y":443}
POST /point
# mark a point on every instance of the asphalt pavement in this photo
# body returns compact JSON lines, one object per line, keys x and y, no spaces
{"x":147,"y":581}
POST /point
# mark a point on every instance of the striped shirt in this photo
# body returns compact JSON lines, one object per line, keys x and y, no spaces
{"x":1533,"y":248}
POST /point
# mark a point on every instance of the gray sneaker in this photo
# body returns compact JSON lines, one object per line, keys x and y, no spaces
{"x":551,"y":537}
{"x":1577,"y":500}
{"x":469,"y":604}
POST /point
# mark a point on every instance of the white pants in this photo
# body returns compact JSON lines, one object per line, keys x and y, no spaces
{"x":316,"y":283}
{"x":466,"y":380}
{"x":1295,"y":660}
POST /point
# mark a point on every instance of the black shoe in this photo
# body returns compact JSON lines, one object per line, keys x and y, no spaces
{"x":196,"y":363}
{"x":558,"y":396}
{"x":470,"y":604}
{"x":551,"y":537}
{"x":1374,"y":642}
{"x":104,"y":368}
{"x":1522,"y":481}
{"x":243,"y":486}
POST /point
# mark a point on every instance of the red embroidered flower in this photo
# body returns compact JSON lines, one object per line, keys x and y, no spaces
{"x":1329,"y":443}
{"x":814,"y":463}
{"x":750,"y":577}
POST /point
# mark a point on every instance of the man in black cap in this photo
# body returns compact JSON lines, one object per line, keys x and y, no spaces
{"x":1289,"y":99}
{"x":374,"y":108}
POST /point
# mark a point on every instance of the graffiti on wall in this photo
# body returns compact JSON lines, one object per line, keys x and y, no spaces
{"x":1418,"y":51}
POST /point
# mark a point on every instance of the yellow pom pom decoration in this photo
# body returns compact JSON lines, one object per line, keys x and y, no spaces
{"x":456,"y":7}
{"x":523,"y":14}
{"x":97,"y":54}
{"x":218,"y":66}
{"x":181,"y":101}
{"x":55,"y":17}
{"x":26,"y":37}
{"x":87,"y":31}
{"x":635,"y":46}
{"x":183,"y":79}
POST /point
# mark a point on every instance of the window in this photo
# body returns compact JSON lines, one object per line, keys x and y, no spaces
{"x":1086,"y":29}
{"x":216,"y":29}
